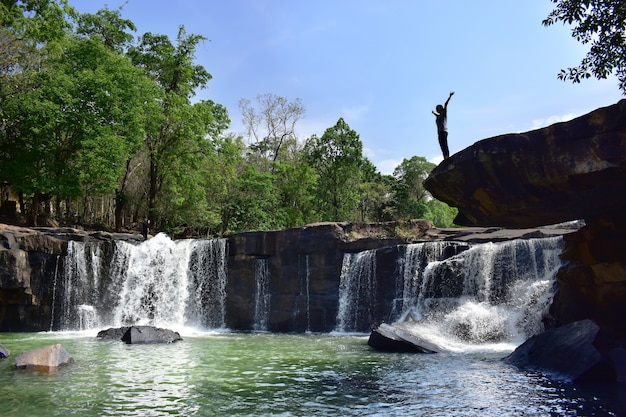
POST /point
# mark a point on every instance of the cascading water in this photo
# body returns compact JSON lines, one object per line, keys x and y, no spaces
{"x":490,"y":293}
{"x":415,"y":262}
{"x":80,"y":285}
{"x":357,"y":287}
{"x":504,"y":292}
{"x":261,"y":296}
{"x":158,"y":282}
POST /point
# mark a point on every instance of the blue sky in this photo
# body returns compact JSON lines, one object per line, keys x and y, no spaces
{"x":384,"y":65}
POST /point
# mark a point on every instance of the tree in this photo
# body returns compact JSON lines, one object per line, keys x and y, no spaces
{"x":109,"y":27}
{"x":601,"y":23}
{"x":409,"y":192}
{"x":271,"y":126}
{"x":337,"y":158}
{"x":253,"y":202}
{"x":296,"y":185}
{"x":175,"y":126}
{"x":70,"y":132}
{"x":440,"y":213}
{"x":374,"y":191}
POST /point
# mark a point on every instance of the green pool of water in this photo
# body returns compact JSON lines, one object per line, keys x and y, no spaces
{"x":231,"y":374}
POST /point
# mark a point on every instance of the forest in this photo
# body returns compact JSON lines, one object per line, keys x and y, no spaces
{"x":102,"y":128}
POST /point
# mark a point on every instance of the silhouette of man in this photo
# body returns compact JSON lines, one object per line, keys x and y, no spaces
{"x":441,"y":115}
{"x":145,"y":228}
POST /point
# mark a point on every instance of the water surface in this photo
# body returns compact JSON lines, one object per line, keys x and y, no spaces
{"x":232,"y":374}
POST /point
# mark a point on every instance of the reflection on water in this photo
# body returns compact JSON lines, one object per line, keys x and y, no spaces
{"x":226,"y":374}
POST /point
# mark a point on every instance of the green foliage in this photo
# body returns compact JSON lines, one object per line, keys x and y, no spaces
{"x":176,"y":129}
{"x":296,"y":185}
{"x":95,"y":114}
{"x":253,"y":201}
{"x":75,"y":124}
{"x":337,"y":158}
{"x":440,"y":213}
{"x":602,"y":23}
{"x":374,"y":194}
{"x":38,"y":21}
{"x":109,"y":27}
{"x":409,"y":193}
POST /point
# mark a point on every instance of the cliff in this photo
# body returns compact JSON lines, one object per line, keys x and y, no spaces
{"x":568,"y":171}
{"x":33,"y":260}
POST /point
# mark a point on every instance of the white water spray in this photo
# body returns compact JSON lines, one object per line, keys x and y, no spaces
{"x":261,"y":295}
{"x":357,"y":288}
{"x":158,"y":282}
{"x":493,"y":293}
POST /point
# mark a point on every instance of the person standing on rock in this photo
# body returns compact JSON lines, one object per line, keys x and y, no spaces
{"x":441,"y":115}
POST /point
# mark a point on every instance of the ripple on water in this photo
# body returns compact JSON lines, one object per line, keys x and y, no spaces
{"x":279,"y":375}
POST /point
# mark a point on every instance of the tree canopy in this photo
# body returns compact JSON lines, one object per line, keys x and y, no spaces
{"x":602,"y":24}
{"x":100,"y":126}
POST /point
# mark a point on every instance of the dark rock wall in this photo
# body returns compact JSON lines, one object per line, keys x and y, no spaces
{"x":305,"y":266}
{"x":592,"y":283}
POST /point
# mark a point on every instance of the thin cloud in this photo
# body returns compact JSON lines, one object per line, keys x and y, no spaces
{"x":539,"y":123}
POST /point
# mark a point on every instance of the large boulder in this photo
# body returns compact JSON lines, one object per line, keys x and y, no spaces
{"x":149,"y":334}
{"x":113,"y":333}
{"x":567,"y":352}
{"x":396,"y":338}
{"x":140,"y":335}
{"x":568,"y":171}
{"x":45,"y":359}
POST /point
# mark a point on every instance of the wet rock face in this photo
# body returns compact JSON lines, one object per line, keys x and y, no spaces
{"x":592,"y":282}
{"x":568,"y":171}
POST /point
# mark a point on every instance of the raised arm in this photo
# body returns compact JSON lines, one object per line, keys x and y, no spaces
{"x":448,"y":100}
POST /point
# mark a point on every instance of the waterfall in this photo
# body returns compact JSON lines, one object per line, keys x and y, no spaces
{"x":54,"y":292}
{"x":159,"y":282}
{"x":207,"y":284}
{"x":261,"y":295}
{"x":357,"y":288}
{"x":414,"y":263}
{"x":80,"y":285}
{"x":489,"y":293}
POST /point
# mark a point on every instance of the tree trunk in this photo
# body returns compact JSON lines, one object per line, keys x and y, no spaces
{"x":34,"y":209}
{"x":153,"y":191}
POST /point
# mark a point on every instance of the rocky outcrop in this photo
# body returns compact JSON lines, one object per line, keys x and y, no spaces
{"x":289,"y":254}
{"x":397,"y":338}
{"x":305,"y":265}
{"x":30,"y":258}
{"x":592,"y":282}
{"x":45,"y":359}
{"x":316,"y":253}
{"x":567,"y":352}
{"x":567,"y":171}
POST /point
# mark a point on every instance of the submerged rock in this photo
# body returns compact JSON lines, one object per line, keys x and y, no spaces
{"x":394,"y":338}
{"x":4,"y":352}
{"x":45,"y":359}
{"x":566,"y":352}
{"x":140,"y":335}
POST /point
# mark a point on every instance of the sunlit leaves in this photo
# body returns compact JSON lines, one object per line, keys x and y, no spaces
{"x":602,"y":23}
